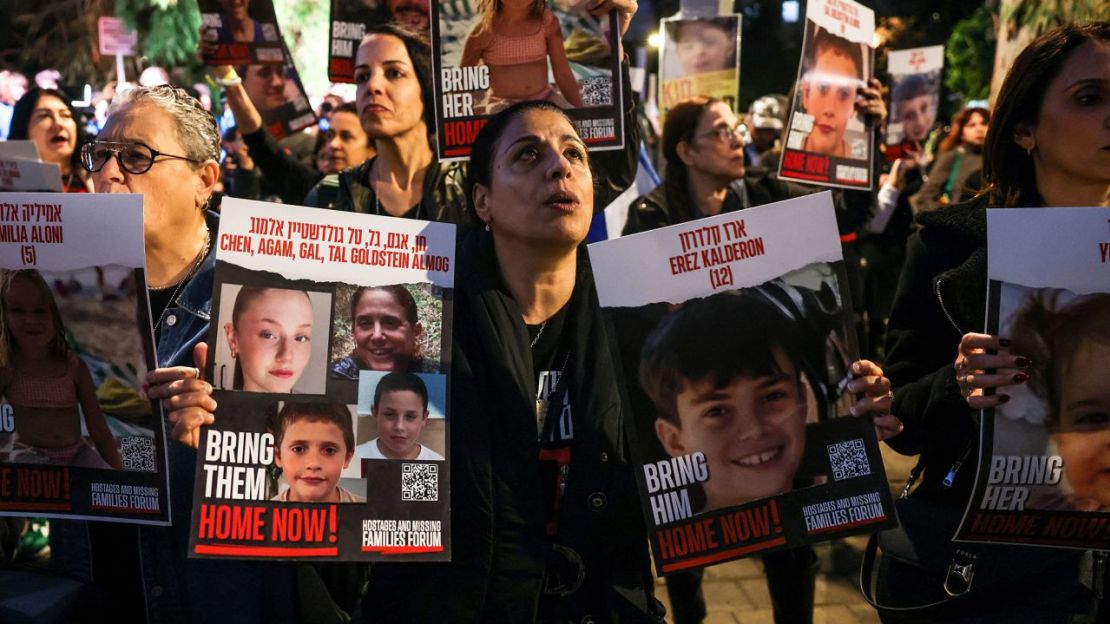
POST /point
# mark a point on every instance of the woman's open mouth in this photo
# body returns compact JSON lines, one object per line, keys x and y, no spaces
{"x":563,"y":201}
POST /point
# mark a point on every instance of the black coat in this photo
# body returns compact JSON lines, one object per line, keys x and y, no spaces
{"x":657,"y":209}
{"x":941,"y":296}
{"x":497,"y":575}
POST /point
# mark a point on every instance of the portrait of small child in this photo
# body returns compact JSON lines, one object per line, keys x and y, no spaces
{"x":48,"y":386}
{"x":829,"y":89}
{"x":1069,"y":346}
{"x":729,"y":376}
{"x":400,"y":410}
{"x":313,"y":443}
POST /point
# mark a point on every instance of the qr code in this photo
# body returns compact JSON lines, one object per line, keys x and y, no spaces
{"x":137,"y":453}
{"x":419,"y":482}
{"x":597,"y":91}
{"x":848,"y":460}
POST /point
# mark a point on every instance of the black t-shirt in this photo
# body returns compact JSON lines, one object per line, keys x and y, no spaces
{"x":550,"y":355}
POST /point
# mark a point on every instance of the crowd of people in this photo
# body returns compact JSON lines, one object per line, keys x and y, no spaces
{"x":525,"y":302}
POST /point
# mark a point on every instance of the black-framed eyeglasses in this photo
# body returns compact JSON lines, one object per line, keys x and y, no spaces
{"x":727,"y":134}
{"x":134,"y":158}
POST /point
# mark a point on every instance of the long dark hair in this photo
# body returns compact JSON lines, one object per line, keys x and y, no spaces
{"x":680,"y":124}
{"x":21,"y":121}
{"x":420,"y":53}
{"x":955,"y":136}
{"x":1007,"y":168}
{"x":483,"y":150}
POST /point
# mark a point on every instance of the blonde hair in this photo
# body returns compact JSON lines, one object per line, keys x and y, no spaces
{"x":490,"y":9}
{"x":58,"y":347}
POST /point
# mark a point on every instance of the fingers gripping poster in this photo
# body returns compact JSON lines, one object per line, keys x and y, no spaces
{"x":1044,"y":468}
{"x":736,"y":339}
{"x":488,"y":55}
{"x":827,"y":142}
{"x":78,"y":437}
{"x":328,"y":355}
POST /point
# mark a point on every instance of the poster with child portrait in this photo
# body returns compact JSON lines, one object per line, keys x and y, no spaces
{"x":78,"y":437}
{"x":278,"y":94}
{"x":914,"y":96}
{"x":488,"y":55}
{"x":1044,"y":468}
{"x":827,"y":142}
{"x":700,"y":56}
{"x":328,"y":355}
{"x":735,"y":337}
{"x":240,"y":32}
{"x":350,"y":20}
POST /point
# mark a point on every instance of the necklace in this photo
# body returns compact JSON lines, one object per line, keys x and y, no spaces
{"x":543,"y":326}
{"x":188,"y":275}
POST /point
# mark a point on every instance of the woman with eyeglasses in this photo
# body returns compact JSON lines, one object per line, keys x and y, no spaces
{"x":705,"y":176}
{"x":161,"y":143}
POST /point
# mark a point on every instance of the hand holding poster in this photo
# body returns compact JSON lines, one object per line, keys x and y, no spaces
{"x":699,"y":56}
{"x":240,"y":32}
{"x":488,"y":55}
{"x":915,"y":94}
{"x":736,"y":339}
{"x":328,"y":355}
{"x":1042,"y":475}
{"x":827,"y":141}
{"x":78,"y":438}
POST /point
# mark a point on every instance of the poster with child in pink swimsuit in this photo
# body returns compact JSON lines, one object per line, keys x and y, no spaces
{"x":488,"y":55}
{"x":78,"y":437}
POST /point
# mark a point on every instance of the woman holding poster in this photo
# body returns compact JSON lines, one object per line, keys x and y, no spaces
{"x":160,"y":142}
{"x":531,"y":545}
{"x":1046,"y":146}
{"x":394,"y":95}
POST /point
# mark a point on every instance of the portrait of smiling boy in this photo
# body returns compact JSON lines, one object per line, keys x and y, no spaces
{"x":724,"y":375}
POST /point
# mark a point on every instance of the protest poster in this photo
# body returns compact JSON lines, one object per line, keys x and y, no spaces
{"x":1042,"y":476}
{"x":485,"y":61}
{"x":276,"y":91}
{"x":700,"y":56}
{"x":17,"y":174}
{"x":328,"y":354}
{"x":78,"y":437}
{"x":735,"y":338}
{"x":350,"y":20}
{"x":914,"y":97}
{"x":240,"y":32}
{"x":827,"y":142}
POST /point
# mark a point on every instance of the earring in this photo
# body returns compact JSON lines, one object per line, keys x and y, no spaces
{"x":487,"y":227}
{"x":1029,"y":151}
{"x":235,"y":355}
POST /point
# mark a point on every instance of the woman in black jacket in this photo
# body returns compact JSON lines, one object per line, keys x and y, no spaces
{"x":1047,"y":146}
{"x":546,"y":522}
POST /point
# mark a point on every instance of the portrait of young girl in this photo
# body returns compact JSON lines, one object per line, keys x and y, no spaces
{"x":516,"y":39}
{"x":46,"y":383}
{"x":1068,"y":341}
{"x":272,"y":340}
